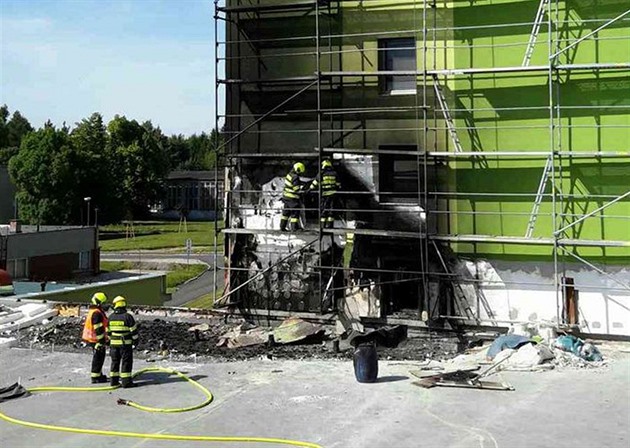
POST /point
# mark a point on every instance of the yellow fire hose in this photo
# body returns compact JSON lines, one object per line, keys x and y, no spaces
{"x":139,"y":435}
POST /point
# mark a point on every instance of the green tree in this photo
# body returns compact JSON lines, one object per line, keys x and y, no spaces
{"x":92,"y":161}
{"x":41,"y":174}
{"x":4,"y":119}
{"x":197,"y":152}
{"x":11,"y":133}
{"x":17,"y":128}
{"x":141,"y":163}
{"x":178,"y":151}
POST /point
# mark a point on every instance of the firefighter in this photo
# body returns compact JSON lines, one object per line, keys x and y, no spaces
{"x":123,"y":334}
{"x":329,"y":190}
{"x":294,"y":188}
{"x":95,"y":334}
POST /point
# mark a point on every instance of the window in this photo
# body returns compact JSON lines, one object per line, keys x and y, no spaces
{"x":206,"y":196}
{"x":18,"y":268}
{"x":397,"y":55}
{"x":85,"y":260}
{"x":398,"y":175}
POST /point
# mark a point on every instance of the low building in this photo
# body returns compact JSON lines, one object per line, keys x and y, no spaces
{"x":192,"y":194}
{"x":49,"y":253}
{"x":7,"y":196}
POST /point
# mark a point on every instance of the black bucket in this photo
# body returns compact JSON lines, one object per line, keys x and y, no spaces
{"x":365,"y":361}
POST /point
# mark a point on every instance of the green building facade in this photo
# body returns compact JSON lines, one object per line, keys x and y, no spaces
{"x":484,"y":145}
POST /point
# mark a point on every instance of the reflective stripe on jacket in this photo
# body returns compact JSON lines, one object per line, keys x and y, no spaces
{"x":329,"y":182}
{"x":122,"y":329}
{"x":94,"y":329}
{"x":292,"y":186}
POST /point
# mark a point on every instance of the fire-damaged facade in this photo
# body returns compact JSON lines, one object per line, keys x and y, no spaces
{"x":475,"y":184}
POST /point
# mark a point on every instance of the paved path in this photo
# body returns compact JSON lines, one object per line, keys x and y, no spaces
{"x":157,"y":257}
{"x":192,"y":290}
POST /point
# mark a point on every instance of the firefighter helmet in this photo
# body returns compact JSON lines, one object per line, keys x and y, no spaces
{"x":119,"y":302}
{"x":299,"y":167}
{"x":98,"y":299}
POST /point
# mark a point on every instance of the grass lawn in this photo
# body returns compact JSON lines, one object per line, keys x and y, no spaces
{"x":158,"y":235}
{"x":178,"y":273}
{"x":205,"y":302}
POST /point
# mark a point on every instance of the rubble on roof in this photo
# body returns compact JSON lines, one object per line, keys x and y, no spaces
{"x":25,"y":316}
{"x":243,"y":335}
{"x":181,"y":335}
{"x":294,"y":330}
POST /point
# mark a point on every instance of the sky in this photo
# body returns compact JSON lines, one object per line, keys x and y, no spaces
{"x":146,"y":59}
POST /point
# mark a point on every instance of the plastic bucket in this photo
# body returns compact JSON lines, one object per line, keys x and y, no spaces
{"x":365,"y":360}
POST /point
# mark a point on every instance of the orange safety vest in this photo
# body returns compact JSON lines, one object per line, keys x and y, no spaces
{"x":89,"y":332}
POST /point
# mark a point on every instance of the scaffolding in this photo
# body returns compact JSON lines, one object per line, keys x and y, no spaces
{"x":244,"y":61}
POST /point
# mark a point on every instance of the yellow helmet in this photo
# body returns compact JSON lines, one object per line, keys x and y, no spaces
{"x":119,"y":302}
{"x":326,"y":164}
{"x":299,"y":167}
{"x":98,"y":299}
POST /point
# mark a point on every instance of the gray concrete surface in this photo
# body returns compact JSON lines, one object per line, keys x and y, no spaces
{"x":321,"y":402}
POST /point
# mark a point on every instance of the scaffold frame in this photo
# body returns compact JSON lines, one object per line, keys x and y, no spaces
{"x":427,"y":78}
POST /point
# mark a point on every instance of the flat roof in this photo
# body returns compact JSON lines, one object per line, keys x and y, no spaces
{"x":318,"y":402}
{"x":33,"y":229}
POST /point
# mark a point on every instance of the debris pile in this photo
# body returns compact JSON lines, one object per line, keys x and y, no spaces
{"x":509,"y":352}
{"x":183,"y":337}
{"x":24,"y":316}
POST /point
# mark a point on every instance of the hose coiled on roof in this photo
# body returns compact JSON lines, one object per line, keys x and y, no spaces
{"x":175,"y":437}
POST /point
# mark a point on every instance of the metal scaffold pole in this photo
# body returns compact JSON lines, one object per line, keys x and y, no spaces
{"x":552,"y":133}
{"x":319,"y":146}
{"x":217,"y":231}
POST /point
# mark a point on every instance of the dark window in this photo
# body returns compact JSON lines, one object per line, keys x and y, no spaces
{"x":397,"y":55}
{"x":398,"y":175}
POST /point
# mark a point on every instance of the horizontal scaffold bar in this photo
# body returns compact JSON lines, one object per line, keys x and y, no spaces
{"x":480,"y":70}
{"x":270,"y":81}
{"x":274,"y":155}
{"x":314,"y":232}
{"x":286,"y":6}
{"x":527,"y":241}
{"x":445,"y":238}
{"x":515,"y":154}
{"x":440,"y":72}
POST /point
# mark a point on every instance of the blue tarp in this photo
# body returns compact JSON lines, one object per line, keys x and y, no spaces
{"x":579,"y":348}
{"x":512,"y":341}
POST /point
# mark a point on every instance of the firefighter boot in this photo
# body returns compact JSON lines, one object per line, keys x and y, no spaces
{"x":99,"y":379}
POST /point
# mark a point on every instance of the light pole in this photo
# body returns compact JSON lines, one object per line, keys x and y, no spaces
{"x":88,"y":199}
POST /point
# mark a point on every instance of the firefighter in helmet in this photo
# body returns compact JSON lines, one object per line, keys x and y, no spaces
{"x":123,"y":334}
{"x":95,"y":334}
{"x":330,"y":185}
{"x":292,"y":196}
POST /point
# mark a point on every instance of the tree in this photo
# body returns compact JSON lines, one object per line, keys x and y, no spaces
{"x":11,"y":133}
{"x":178,"y":151}
{"x":17,"y":128}
{"x":4,"y":118}
{"x":141,"y":163}
{"x":42,"y":175}
{"x":197,"y":152}
{"x":93,"y":164}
